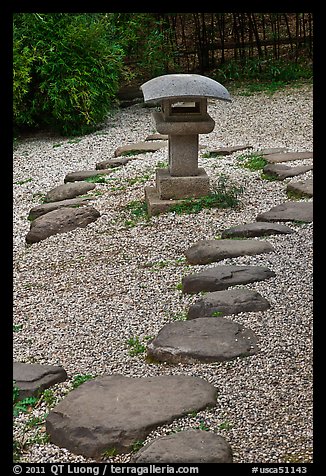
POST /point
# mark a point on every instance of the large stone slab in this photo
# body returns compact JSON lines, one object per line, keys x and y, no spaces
{"x":157,"y":137}
{"x":44,"y":208}
{"x":272,"y":150}
{"x":289,"y":211}
{"x":202,"y":340}
{"x":68,"y":190}
{"x":282,"y":171}
{"x":229,"y":150}
{"x":111,"y":413}
{"x":209,"y":251}
{"x":113,"y":163}
{"x":31,"y":379}
{"x":230,"y":301}
{"x":261,"y":228}
{"x":304,"y":187}
{"x":287,"y":156}
{"x":60,"y":221}
{"x":190,"y":446}
{"x":85,"y":174}
{"x":139,"y":147}
{"x":222,"y":277}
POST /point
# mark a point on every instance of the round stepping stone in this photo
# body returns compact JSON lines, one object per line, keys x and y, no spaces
{"x":31,"y":379}
{"x":229,"y":150}
{"x":304,"y":187}
{"x":202,"y":340}
{"x":111,"y":413}
{"x":289,"y":211}
{"x":288,"y":156}
{"x":231,"y":301}
{"x":68,"y":190}
{"x":209,"y":251}
{"x":261,"y":228}
{"x":139,"y":148}
{"x":44,"y":208}
{"x":112,"y":163}
{"x":282,"y":171}
{"x":60,"y":221}
{"x":189,"y":446}
{"x":221,"y":277}
{"x":85,"y":174}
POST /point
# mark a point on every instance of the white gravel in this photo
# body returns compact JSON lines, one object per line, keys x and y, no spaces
{"x":81,"y":295}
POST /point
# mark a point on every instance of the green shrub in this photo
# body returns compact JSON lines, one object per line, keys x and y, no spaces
{"x":66,"y":71}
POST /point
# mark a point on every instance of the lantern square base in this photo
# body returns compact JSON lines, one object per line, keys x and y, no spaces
{"x":177,"y":188}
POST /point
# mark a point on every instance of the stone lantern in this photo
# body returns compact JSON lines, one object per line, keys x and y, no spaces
{"x":183,"y":116}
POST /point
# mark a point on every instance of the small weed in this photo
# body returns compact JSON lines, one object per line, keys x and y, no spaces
{"x":24,"y":406}
{"x":180,"y":316}
{"x":217,"y":314}
{"x":193,"y":414}
{"x":57,"y":145}
{"x":212,"y":155}
{"x":130,"y":153}
{"x":17,"y":327}
{"x":36,"y":421}
{"x":225,"y":426}
{"x":74,"y":141}
{"x":179,"y":287}
{"x":202,"y":426}
{"x":79,"y":379}
{"x":39,"y":439}
{"x":224,"y":196}
{"x":138,"y":212}
{"x":40,"y":196}
{"x":252,"y":161}
{"x":162,"y":165}
{"x":270,"y":177}
{"x":136,"y":347}
{"x":137,"y":445}
{"x":48,"y":397}
{"x":138,"y":180}
{"x":109,"y":453}
{"x":292,"y":195}
{"x":21,"y":182}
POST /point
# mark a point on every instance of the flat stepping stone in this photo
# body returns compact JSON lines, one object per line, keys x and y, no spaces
{"x":282,"y":171}
{"x":31,"y":379}
{"x":227,"y":302}
{"x":157,"y":137}
{"x":112,"y":413}
{"x":289,"y":211}
{"x":249,"y":230}
{"x":112,"y":163}
{"x":139,"y":148}
{"x":222,"y":277}
{"x":288,"y":156}
{"x":202,"y":340}
{"x":272,"y":150}
{"x":85,"y":174}
{"x":304,"y":187}
{"x":44,"y":208}
{"x":229,"y":150}
{"x":68,"y":190}
{"x":209,"y":251}
{"x":61,"y":220}
{"x":189,"y":446}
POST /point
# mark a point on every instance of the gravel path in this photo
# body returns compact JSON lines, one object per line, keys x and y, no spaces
{"x":81,"y":295}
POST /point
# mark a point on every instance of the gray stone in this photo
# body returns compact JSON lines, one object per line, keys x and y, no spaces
{"x":44,"y":208}
{"x":231,"y":301}
{"x":222,"y":277}
{"x":139,"y":148}
{"x":282,"y":171}
{"x":155,"y":205}
{"x":229,"y":150}
{"x":112,"y":163}
{"x":31,"y":379}
{"x":288,"y":156}
{"x":85,"y":174}
{"x":262,"y":228}
{"x":157,"y":137}
{"x":60,"y":221}
{"x":181,"y":86}
{"x":170,"y":187}
{"x":272,"y":150}
{"x":202,"y":340}
{"x":289,"y":211}
{"x":111,"y":413}
{"x":68,"y":190}
{"x":190,"y":446}
{"x":304,"y":187}
{"x":209,"y":251}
